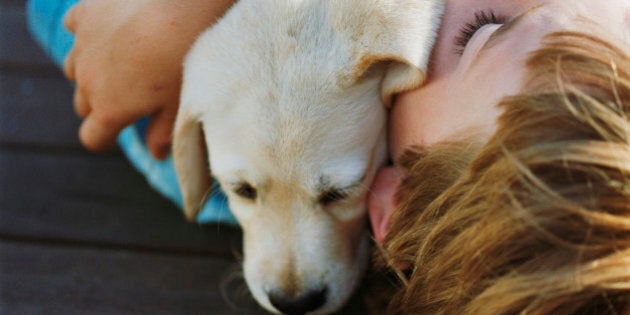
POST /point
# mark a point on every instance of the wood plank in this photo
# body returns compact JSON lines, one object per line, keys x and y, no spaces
{"x":17,"y":47}
{"x":98,"y":199}
{"x":37,"y":110}
{"x":35,"y":98}
{"x":13,"y":3}
{"x":38,"y":279}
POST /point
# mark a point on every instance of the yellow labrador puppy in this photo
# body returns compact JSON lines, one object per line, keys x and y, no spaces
{"x":290,"y":98}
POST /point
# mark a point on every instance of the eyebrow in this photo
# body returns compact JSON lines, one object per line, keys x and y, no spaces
{"x":503,"y":31}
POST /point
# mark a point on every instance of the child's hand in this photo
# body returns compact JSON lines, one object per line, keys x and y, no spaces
{"x":127,"y":63}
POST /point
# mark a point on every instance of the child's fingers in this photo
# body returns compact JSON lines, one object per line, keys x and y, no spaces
{"x":159,"y":133}
{"x":71,"y":18}
{"x":81,"y":104}
{"x":99,"y":132}
{"x":69,"y":65}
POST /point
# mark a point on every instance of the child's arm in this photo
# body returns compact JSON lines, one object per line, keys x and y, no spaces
{"x":127,"y":63}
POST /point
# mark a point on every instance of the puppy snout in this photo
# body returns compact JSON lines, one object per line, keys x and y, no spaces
{"x":299,"y":304}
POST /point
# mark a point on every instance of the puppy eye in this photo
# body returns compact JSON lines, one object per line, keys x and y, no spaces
{"x":246,"y":191}
{"x":331,"y":196}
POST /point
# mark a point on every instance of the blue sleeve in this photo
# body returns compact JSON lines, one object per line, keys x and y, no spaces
{"x":45,"y":21}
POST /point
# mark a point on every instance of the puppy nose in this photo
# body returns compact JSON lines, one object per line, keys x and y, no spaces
{"x":301,"y":304}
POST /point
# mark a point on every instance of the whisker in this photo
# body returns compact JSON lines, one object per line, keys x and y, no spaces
{"x":235,"y":291}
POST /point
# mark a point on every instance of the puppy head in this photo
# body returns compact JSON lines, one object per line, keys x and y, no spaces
{"x":287,"y":100}
{"x":297,"y":182}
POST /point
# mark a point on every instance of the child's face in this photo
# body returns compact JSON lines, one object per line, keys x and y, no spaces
{"x":463,"y":89}
{"x":472,"y":70}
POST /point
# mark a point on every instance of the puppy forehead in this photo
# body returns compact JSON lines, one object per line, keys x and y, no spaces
{"x":233,"y":168}
{"x":233,"y":163}
{"x":343,"y":171}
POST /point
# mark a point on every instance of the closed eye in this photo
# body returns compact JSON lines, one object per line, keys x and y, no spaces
{"x":331,"y":196}
{"x":245,"y":190}
{"x":466,"y":33}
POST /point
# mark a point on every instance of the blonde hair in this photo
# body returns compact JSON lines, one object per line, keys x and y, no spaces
{"x":536,"y":220}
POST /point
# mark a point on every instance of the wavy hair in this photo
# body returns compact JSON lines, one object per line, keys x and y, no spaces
{"x":536,"y":220}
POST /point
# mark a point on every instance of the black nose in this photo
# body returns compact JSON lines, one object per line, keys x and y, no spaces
{"x":300,"y":304}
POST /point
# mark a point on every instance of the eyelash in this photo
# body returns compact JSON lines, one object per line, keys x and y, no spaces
{"x":482,"y":18}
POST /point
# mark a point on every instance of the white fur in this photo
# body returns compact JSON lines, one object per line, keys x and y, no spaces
{"x":291,"y":96}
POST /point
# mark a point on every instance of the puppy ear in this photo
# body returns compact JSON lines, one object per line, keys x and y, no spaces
{"x":190,"y":161}
{"x":397,"y":34}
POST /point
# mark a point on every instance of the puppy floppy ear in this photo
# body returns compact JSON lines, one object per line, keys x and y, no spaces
{"x":190,"y":159}
{"x":398,"y":34}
